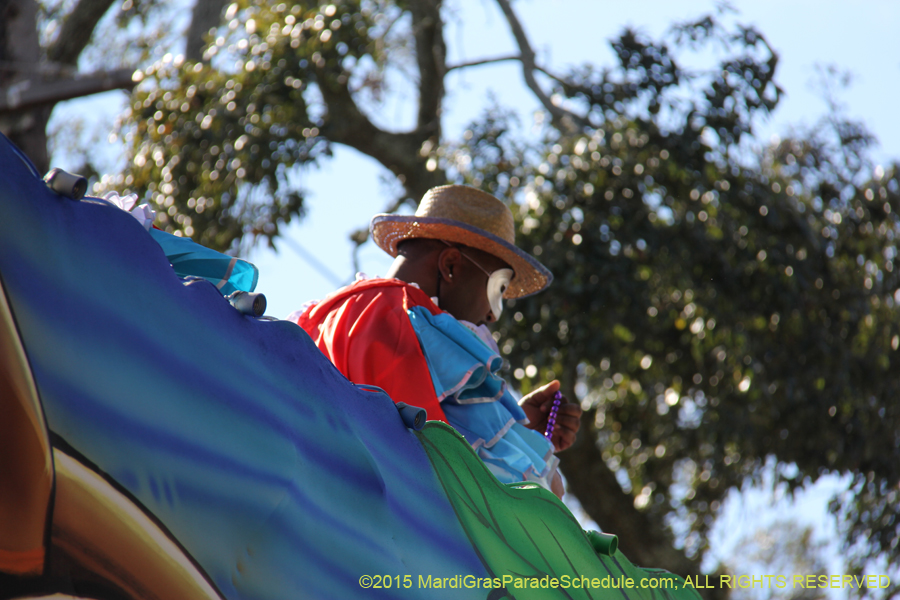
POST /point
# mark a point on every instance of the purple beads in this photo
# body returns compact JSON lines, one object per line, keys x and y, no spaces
{"x":551,"y":420}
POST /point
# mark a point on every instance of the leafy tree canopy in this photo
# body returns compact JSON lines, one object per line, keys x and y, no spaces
{"x":214,"y":141}
{"x":713,"y":307}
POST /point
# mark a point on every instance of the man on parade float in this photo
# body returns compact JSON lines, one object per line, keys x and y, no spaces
{"x":420,"y":332}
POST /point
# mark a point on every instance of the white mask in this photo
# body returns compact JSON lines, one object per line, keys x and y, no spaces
{"x":497,"y":283}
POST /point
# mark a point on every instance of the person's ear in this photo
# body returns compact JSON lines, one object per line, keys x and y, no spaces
{"x":448,"y":263}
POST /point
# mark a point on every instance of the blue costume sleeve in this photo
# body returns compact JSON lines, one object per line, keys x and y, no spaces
{"x":188,"y":258}
{"x":477,"y":401}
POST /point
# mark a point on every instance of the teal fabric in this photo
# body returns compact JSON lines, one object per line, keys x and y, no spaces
{"x":477,"y":401}
{"x":190,"y":259}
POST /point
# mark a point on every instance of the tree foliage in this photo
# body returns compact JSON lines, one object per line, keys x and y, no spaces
{"x":713,"y":307}
{"x":54,"y":50}
{"x":215,"y":141}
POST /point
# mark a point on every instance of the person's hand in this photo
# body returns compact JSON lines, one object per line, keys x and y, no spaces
{"x":537,"y":406}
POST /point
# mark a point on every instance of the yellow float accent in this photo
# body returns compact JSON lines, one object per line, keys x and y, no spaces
{"x":26,"y":470}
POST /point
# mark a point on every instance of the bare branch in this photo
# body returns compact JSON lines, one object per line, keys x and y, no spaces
{"x":77,"y":30}
{"x":564,"y":120}
{"x":206,"y":15}
{"x":19,"y":45}
{"x":395,"y":205}
{"x":44,"y":68}
{"x":361,"y":236}
{"x":28,"y":94}
{"x":431,"y":57}
{"x":552,"y":76}
{"x":311,"y":260}
{"x":388,"y":28}
{"x":485,"y":61}
{"x":344,"y":123}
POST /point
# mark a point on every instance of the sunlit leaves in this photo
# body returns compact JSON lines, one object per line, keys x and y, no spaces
{"x":718,"y":310}
{"x":216,"y":145}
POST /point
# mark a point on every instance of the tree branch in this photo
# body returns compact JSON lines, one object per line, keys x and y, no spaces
{"x":19,"y":45}
{"x":431,"y":57}
{"x":344,"y":123}
{"x":77,"y":30}
{"x":564,"y":120}
{"x":44,"y":68}
{"x":28,"y":94}
{"x":552,"y":76}
{"x":485,"y":61}
{"x":206,"y":15}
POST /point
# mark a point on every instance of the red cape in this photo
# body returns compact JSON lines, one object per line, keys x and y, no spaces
{"x":364,"y":330}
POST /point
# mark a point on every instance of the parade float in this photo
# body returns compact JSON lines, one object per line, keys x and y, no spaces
{"x":158,"y":442}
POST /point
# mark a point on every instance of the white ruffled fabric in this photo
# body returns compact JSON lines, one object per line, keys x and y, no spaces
{"x":143,"y":213}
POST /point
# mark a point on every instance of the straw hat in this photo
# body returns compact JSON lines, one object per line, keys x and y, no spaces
{"x":469,"y":216}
